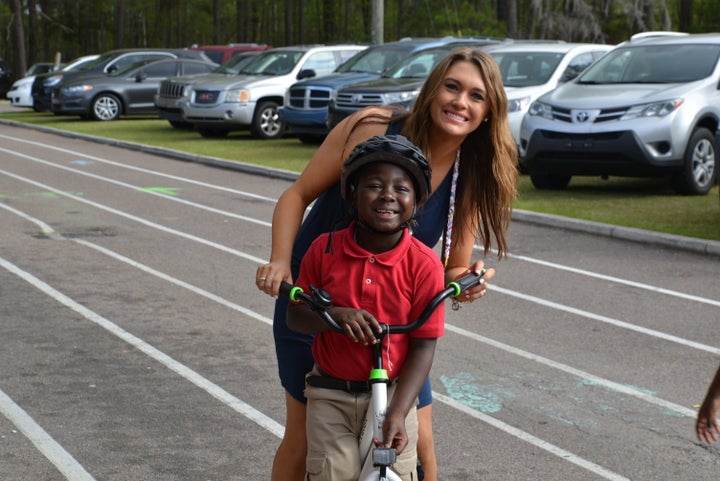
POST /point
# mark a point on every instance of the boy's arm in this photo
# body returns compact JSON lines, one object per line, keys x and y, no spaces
{"x":415,"y":371}
{"x":359,"y":325}
{"x":303,"y":320}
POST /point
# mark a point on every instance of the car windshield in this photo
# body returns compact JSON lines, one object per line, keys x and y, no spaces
{"x":235,"y":65}
{"x":123,"y":71}
{"x":653,"y":64}
{"x":526,"y":69}
{"x":97,"y":63}
{"x":417,"y":65}
{"x":279,"y":62}
{"x":373,"y":60}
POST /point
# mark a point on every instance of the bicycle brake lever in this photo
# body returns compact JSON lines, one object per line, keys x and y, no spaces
{"x":321,"y":297}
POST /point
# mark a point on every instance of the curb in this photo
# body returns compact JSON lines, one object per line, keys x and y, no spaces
{"x":690,"y":244}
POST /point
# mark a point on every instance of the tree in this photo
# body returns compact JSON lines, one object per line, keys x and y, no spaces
{"x":20,"y":62}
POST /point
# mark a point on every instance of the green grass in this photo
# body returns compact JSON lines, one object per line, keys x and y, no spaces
{"x":642,"y":203}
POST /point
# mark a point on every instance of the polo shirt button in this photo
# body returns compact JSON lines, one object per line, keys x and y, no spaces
{"x":367,"y":281}
{"x":372,"y":260}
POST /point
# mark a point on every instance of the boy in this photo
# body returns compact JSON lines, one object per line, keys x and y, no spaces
{"x":374,"y":269}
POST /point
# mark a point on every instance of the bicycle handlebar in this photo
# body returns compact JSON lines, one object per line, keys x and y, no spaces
{"x":320,"y":300}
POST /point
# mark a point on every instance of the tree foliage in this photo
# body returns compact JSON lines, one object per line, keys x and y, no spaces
{"x":35,"y":30}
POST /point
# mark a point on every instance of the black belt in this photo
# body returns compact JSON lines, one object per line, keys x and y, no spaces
{"x":324,"y":381}
{"x":327,"y":382}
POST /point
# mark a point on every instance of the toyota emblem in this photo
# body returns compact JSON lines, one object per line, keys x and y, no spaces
{"x":582,"y":116}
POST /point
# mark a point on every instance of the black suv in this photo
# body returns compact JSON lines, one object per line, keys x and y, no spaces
{"x":6,"y":78}
{"x":105,"y":63}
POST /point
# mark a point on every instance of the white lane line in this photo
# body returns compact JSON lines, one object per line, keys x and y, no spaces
{"x":529,"y":438}
{"x":140,"y":169}
{"x":211,"y":388}
{"x":63,"y":461}
{"x":138,"y":188}
{"x":549,"y":264}
{"x":539,"y":359}
{"x":614,"y":386}
{"x":522,"y":435}
{"x":617,"y":280}
{"x":608,"y":320}
{"x":139,"y":220}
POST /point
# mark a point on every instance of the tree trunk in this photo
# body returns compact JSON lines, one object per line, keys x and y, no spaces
{"x":685,"y":15}
{"x":33,"y":33}
{"x":289,"y":22}
{"x":120,"y":24}
{"x":507,"y":12}
{"x":20,"y":62}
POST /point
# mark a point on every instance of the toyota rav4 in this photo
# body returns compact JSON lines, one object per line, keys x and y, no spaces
{"x":649,"y":107}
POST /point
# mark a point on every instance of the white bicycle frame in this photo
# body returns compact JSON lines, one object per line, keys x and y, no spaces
{"x":374,"y":418}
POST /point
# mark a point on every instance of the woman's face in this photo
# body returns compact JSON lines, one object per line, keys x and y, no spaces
{"x":460,"y":103}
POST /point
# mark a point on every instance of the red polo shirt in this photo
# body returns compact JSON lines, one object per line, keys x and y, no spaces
{"x":394,"y":286}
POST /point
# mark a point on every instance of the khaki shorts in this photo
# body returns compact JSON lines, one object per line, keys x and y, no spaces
{"x":335,"y":420}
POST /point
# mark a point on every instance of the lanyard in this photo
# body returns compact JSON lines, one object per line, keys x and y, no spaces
{"x":451,"y":210}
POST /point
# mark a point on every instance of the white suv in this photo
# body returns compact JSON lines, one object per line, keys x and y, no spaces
{"x":650,"y":107}
{"x":216,"y":106}
{"x":530,"y":69}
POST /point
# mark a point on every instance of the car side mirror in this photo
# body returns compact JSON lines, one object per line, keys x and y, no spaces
{"x":306,"y":73}
{"x":140,"y":77}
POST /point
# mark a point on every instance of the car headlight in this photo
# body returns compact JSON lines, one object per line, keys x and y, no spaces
{"x":401,"y":97}
{"x":75,"y":89}
{"x":22,"y":84}
{"x":541,"y":109}
{"x":52,"y":80}
{"x":518,"y":105}
{"x":657,"y":109}
{"x":238,"y":95}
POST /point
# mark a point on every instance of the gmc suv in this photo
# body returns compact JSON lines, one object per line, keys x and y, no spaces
{"x":305,"y":109}
{"x":216,"y":106}
{"x":648,"y":108}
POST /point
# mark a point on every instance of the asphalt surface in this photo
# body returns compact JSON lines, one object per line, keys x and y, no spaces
{"x":136,"y":347}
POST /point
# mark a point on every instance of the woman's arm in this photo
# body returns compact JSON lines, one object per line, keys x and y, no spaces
{"x":321,"y":172}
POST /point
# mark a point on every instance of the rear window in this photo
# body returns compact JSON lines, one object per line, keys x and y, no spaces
{"x":374,"y":60}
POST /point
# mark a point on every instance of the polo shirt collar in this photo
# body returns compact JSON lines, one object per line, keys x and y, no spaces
{"x":389,"y":258}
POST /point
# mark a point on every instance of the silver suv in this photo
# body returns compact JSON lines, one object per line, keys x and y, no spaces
{"x":216,"y":106}
{"x":648,"y":108}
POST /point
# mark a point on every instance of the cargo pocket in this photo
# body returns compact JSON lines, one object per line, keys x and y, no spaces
{"x":315,"y":464}
{"x":406,"y":465}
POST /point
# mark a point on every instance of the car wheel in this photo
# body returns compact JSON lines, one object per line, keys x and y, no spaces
{"x":266,"y":123}
{"x":699,"y":170}
{"x":549,"y":181}
{"x":106,"y":107}
{"x":212,"y":133}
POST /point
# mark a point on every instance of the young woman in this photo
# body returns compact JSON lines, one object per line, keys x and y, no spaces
{"x":459,"y":121}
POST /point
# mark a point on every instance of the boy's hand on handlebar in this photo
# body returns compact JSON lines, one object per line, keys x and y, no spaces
{"x":269,"y":276}
{"x":358,"y":324}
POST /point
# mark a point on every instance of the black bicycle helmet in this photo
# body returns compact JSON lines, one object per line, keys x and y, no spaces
{"x":393,"y":149}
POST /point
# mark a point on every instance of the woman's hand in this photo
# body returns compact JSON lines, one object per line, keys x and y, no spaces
{"x":478,"y":291}
{"x":269,"y":277}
